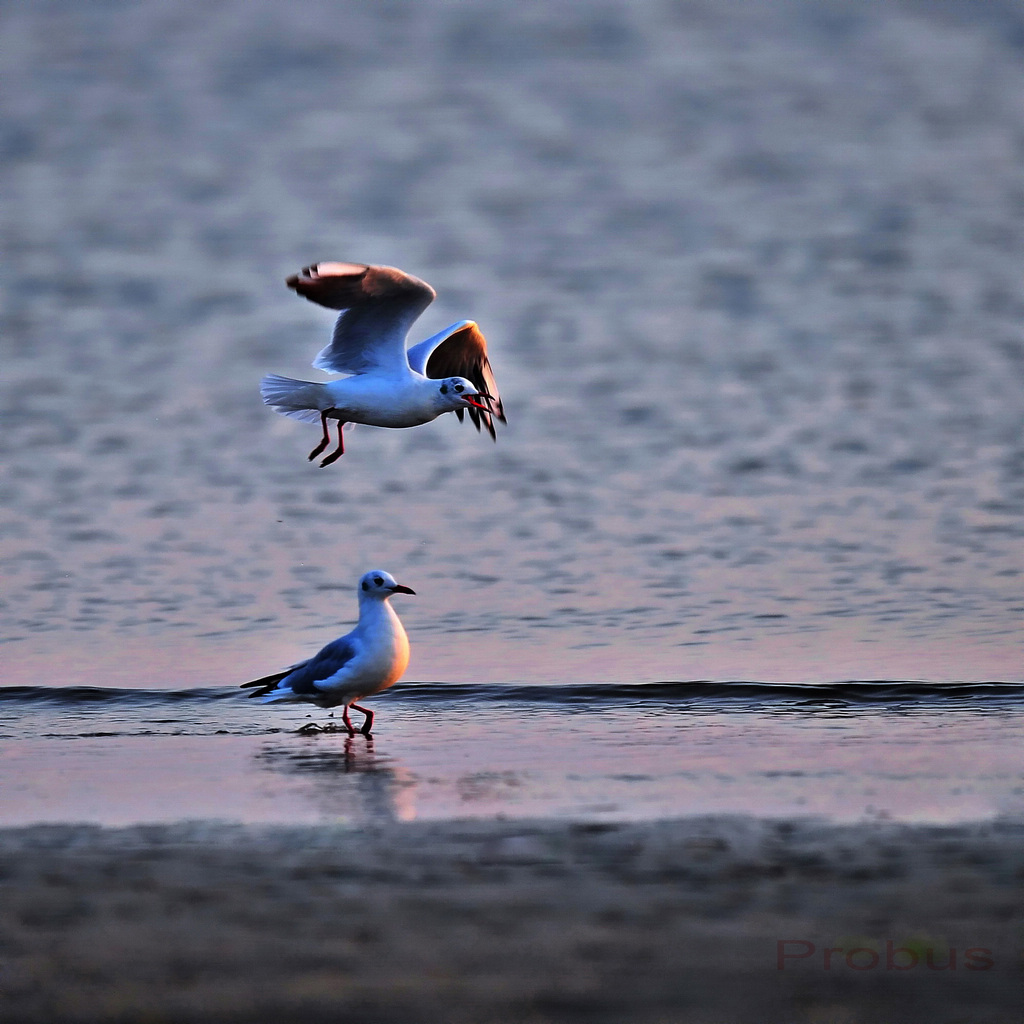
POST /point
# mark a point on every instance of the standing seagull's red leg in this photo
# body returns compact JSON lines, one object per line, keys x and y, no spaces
{"x":340,"y":450}
{"x":347,"y":721}
{"x":368,"y":724}
{"x":325,"y":442}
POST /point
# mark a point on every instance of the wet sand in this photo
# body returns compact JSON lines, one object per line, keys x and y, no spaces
{"x":512,"y":920}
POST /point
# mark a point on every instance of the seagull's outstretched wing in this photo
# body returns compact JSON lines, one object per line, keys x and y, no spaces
{"x":379,"y":306}
{"x":461,"y":351}
{"x":302,"y":679}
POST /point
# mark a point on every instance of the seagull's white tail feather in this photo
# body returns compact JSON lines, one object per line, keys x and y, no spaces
{"x":300,"y":399}
{"x":277,"y":695}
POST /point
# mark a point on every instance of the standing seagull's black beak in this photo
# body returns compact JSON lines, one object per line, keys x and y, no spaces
{"x":399,"y":589}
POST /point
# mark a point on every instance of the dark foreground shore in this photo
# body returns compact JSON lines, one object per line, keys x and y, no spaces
{"x":698,"y":920}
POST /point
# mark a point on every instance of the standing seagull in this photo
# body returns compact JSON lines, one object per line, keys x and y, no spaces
{"x":369,"y":659}
{"x":388,"y":386}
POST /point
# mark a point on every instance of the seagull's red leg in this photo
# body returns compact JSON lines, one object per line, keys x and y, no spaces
{"x":340,"y":450}
{"x":368,"y":724}
{"x":347,"y":721}
{"x":325,"y":442}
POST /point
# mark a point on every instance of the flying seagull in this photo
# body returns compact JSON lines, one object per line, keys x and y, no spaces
{"x":369,"y":659}
{"x":387,"y":386}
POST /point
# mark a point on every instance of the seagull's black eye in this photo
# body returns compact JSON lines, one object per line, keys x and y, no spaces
{"x":459,"y":387}
{"x":444,"y":389}
{"x":378,"y":581}
{"x":366,"y":586}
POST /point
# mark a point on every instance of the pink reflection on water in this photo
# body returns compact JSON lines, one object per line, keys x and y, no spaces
{"x":466,"y":761}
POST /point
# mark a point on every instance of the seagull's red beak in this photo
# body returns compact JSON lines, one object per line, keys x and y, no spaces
{"x":468,"y":399}
{"x":399,"y":589}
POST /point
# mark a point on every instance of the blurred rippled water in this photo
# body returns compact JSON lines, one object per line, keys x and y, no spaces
{"x":749,"y":270}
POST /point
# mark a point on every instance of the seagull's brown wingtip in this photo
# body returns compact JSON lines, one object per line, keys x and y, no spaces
{"x":304,"y":276}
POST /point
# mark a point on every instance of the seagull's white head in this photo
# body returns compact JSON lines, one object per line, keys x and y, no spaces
{"x":380,"y":585}
{"x":456,"y":393}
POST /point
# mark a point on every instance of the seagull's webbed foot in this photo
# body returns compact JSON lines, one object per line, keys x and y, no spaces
{"x":348,"y":722}
{"x":338,"y":452}
{"x":368,"y":721}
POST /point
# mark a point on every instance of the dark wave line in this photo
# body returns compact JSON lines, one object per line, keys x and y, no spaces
{"x":110,"y":694}
{"x":867,"y":691}
{"x":849,"y":691}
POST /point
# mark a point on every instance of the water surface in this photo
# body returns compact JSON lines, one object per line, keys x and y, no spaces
{"x":848,"y":752}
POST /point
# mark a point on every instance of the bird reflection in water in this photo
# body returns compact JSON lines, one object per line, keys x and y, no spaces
{"x":353,"y":783}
